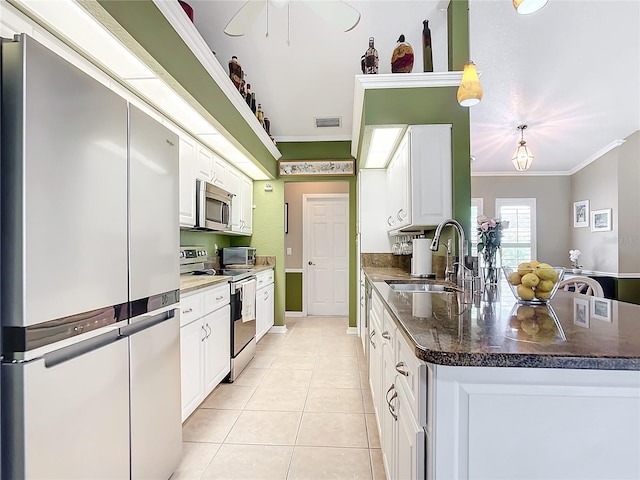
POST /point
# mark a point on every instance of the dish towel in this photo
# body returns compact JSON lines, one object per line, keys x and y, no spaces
{"x":248,"y":296}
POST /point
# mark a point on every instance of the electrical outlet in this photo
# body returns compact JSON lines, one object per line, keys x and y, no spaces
{"x":288,"y":251}
{"x":215,"y":246}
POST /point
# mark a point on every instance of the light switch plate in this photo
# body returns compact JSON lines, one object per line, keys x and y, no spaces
{"x":288,"y":251}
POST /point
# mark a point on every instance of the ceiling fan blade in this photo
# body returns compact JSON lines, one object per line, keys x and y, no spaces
{"x":336,"y":12}
{"x":244,"y":18}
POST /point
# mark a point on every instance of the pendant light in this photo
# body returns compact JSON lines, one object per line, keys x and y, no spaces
{"x":470,"y":90}
{"x":522,"y":157}
{"x":525,"y":7}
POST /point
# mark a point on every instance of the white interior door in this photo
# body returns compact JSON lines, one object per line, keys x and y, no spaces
{"x":326,"y":254}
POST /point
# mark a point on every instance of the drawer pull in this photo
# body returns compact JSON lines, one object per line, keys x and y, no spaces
{"x":373,"y":332}
{"x":392,"y":409}
{"x":188,"y":310}
{"x":209,"y":330}
{"x":204,"y":330}
{"x":402,"y":372}
{"x":386,"y":335}
{"x":220,"y":297}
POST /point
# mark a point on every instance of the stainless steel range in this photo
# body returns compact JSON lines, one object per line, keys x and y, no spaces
{"x":242,"y":284}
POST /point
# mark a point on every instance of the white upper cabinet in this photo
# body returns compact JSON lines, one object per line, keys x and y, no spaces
{"x":419,"y":179}
{"x":187,"y":182}
{"x":246,"y":217}
{"x":241,"y":187}
{"x":220,"y":177}
{"x":205,"y":164}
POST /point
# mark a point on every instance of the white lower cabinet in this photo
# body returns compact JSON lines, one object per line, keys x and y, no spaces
{"x":264,"y":303}
{"x":205,"y":344}
{"x":395,"y":383}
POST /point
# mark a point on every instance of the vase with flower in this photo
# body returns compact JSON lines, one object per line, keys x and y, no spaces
{"x":489,"y":240}
{"x":573,"y":256}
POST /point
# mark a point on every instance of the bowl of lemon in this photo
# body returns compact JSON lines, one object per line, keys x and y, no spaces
{"x":533,"y":282}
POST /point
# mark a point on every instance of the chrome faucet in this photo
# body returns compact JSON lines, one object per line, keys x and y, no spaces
{"x":435,"y":244}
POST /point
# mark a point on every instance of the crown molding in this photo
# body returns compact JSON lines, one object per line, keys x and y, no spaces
{"x":519,"y":174}
{"x":312,"y":138}
{"x":597,"y":155}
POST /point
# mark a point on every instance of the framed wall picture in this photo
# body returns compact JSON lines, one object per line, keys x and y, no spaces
{"x":601,"y":309}
{"x":581,"y":214}
{"x":316,"y":167}
{"x":581,"y":312}
{"x":601,"y":220}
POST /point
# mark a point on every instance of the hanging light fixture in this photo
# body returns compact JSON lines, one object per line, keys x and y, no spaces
{"x":522,"y":157}
{"x":470,"y":90}
{"x":525,"y":7}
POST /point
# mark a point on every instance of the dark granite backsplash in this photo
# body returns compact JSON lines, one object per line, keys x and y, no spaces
{"x":403,"y":262}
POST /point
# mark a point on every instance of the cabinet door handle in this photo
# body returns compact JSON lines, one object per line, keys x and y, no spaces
{"x":392,"y":409}
{"x":209,"y":329}
{"x":399,"y":365}
{"x":398,"y":215}
{"x":204,"y":330}
{"x":188,"y":310}
{"x":266,"y":295}
{"x":373,"y":332}
{"x":389,"y":220}
{"x":220,"y":297}
{"x":386,"y":335}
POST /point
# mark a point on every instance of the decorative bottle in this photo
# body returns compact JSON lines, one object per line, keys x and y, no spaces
{"x":427,"y":54}
{"x":253,"y":103}
{"x":369,"y":63}
{"x":235,"y":72}
{"x":248,"y":95}
{"x":260,"y":114}
{"x":402,"y":58}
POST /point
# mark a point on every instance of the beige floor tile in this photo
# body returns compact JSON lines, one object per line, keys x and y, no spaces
{"x":337,"y":363}
{"x":316,"y":463}
{"x":338,"y":400}
{"x":278,"y":399}
{"x":250,"y":377}
{"x":367,"y":400}
{"x":334,"y":330}
{"x":273,"y":339}
{"x":377,"y":465}
{"x":293,"y":362}
{"x":228,"y":397}
{"x":300,"y":350}
{"x":269,"y":349}
{"x":333,"y":430}
{"x":340,"y":350}
{"x":195,"y":460}
{"x":335,"y":379}
{"x":244,"y":462}
{"x":208,"y":425}
{"x":364,"y":379}
{"x":262,"y":361}
{"x":372,"y":430}
{"x":266,"y":428}
{"x":287,"y":378}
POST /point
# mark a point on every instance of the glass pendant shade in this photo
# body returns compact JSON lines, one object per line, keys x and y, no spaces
{"x":470,"y":90}
{"x":522,"y":157}
{"x":525,"y":7}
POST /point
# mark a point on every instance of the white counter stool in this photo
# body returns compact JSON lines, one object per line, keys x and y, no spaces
{"x":584,"y":285}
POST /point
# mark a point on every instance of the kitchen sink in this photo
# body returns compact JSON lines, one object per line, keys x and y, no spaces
{"x":417,"y":287}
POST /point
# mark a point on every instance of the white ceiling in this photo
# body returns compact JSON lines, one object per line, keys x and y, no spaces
{"x":570,"y":71}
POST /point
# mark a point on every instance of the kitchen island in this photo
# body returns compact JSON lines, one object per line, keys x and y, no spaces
{"x":480,"y":398}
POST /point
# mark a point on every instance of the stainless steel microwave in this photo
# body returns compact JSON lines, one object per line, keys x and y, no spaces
{"x":213,"y":207}
{"x":239,"y":256}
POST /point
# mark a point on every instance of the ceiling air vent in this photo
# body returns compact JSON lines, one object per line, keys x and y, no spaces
{"x":328,"y":122}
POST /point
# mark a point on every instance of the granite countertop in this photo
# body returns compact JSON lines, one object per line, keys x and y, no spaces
{"x":190,"y":283}
{"x":487,"y":332}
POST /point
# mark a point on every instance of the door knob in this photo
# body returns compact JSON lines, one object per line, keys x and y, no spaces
{"x":311,"y":263}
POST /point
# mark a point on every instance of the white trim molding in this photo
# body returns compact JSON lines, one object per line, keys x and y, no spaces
{"x":293,"y":270}
{"x":294,"y":314}
{"x":597,"y":155}
{"x":352,"y":331}
{"x":278,"y":329}
{"x":318,"y":138}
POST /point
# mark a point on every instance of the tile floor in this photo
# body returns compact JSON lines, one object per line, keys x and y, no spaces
{"x":301,"y":410}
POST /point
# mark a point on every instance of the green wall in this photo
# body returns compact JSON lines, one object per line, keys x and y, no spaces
{"x":293,"y":300}
{"x":208,"y":239}
{"x":628,"y":290}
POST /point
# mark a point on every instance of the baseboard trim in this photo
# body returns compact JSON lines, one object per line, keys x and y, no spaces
{"x":294,"y":314}
{"x":352,"y":330}
{"x":278,"y":329}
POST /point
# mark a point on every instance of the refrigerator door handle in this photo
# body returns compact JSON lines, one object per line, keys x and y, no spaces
{"x":77,"y":350}
{"x":143,"y":322}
